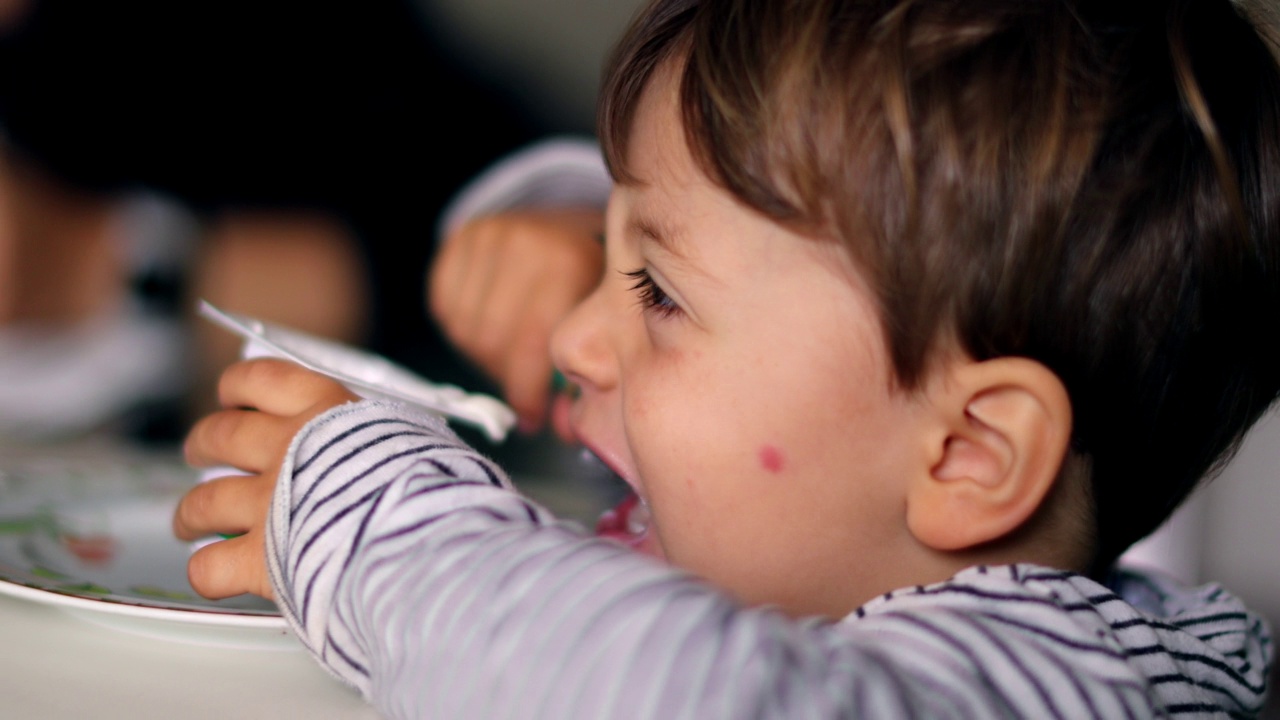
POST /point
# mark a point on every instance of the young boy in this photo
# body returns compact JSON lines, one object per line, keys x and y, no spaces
{"x":916,"y":315}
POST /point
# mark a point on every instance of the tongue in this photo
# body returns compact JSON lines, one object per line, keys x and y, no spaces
{"x":628,"y":523}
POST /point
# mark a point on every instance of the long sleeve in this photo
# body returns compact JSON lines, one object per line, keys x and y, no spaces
{"x":411,"y":569}
{"x":557,"y":172}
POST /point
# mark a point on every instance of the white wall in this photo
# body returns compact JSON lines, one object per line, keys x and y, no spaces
{"x":551,"y":50}
{"x":1230,"y":531}
{"x":1242,"y":522}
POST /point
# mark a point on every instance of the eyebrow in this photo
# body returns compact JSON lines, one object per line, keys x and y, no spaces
{"x":669,"y":239}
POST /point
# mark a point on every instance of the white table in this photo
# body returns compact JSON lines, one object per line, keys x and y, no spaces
{"x":57,"y":665}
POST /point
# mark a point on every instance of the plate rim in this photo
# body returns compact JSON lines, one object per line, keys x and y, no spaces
{"x":197,"y":616}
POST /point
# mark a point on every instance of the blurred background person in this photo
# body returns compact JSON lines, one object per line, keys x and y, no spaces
{"x":280,"y":158}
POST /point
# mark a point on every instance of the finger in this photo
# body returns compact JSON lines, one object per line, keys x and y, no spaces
{"x":278,"y":387}
{"x":511,"y":307}
{"x":246,"y":439}
{"x":470,"y":295}
{"x":448,"y":272}
{"x":561,"y":410}
{"x":234,"y":504}
{"x":527,"y":380}
{"x":528,"y":361}
{"x":537,"y":281}
{"x":230,"y":567}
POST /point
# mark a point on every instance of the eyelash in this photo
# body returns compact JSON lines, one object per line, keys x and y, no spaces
{"x":652,"y":298}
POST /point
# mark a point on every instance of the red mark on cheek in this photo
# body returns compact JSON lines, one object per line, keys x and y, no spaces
{"x":771,"y":459}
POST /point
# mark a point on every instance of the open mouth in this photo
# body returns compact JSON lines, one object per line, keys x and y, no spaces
{"x":628,"y":522}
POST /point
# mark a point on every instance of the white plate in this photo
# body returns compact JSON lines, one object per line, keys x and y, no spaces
{"x":365,"y":373}
{"x":86,"y":528}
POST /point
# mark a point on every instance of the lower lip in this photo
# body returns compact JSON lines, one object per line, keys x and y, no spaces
{"x":629,"y":524}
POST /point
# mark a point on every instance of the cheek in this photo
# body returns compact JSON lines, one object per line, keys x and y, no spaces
{"x":686,"y":423}
{"x":659,"y":392}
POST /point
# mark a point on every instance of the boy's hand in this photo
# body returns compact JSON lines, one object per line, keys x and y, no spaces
{"x":267,"y":402}
{"x":501,"y":283}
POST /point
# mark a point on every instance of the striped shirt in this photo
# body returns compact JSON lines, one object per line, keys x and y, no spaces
{"x":411,"y":569}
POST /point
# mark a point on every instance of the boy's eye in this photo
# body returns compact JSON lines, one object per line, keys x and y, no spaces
{"x":652,"y":298}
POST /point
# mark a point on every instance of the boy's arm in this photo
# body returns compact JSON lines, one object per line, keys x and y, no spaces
{"x":412,"y":571}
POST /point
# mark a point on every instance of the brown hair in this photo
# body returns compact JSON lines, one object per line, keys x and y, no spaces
{"x":1092,"y":184}
{"x":1265,"y":15}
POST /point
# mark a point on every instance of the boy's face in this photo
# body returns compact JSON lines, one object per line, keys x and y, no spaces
{"x":735,"y":375}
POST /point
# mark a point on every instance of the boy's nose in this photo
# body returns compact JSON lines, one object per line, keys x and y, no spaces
{"x":580,"y":344}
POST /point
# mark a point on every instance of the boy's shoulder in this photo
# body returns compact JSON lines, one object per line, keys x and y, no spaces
{"x":1032,"y":629}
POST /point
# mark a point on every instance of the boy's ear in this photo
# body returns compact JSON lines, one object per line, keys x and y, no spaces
{"x":995,"y":446}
